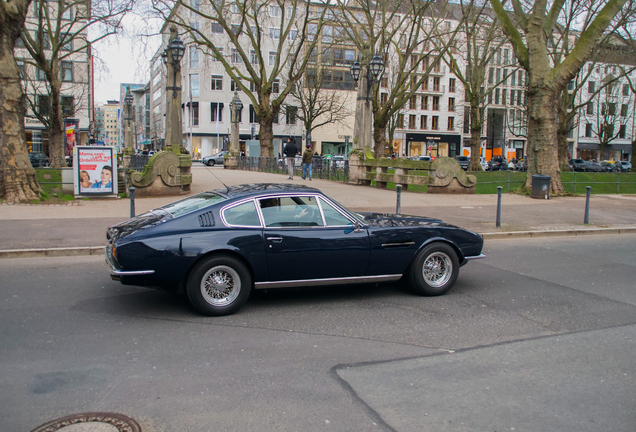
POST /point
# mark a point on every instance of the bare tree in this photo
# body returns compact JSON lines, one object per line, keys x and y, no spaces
{"x":248,"y":27}
{"x":529,"y":27}
{"x":56,"y":34}
{"x":481,"y":41}
{"x":17,"y":177}
{"x":401,"y":30}
{"x":318,"y":105}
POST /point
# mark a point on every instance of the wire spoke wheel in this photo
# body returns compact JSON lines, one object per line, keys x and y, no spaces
{"x":437,"y":269}
{"x":220,"y":285}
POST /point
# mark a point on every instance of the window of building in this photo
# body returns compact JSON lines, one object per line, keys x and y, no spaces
{"x":194,"y":85}
{"x":435,"y":103}
{"x":519,"y":94}
{"x":67,"y":12}
{"x":39,"y":74}
{"x":216,"y":82}
{"x":435,"y":123}
{"x":624,"y":108}
{"x":512,"y":79}
{"x":274,"y":33}
{"x":68,"y":105}
{"x":512,"y":97}
{"x":327,"y":34}
{"x":504,"y":96}
{"x":451,"y":104}
{"x":235,"y":58}
{"x":272,"y":58}
{"x":253,"y":57}
{"x":497,"y":96}
{"x":424,"y":102}
{"x":290,"y":114}
{"x":612,"y":109}
{"x":588,"y":130}
{"x":384,"y":82}
{"x":253,"y":116}
{"x":625,"y":90}
{"x":425,"y":84}
{"x":234,"y":8}
{"x":466,"y":120}
{"x":311,"y":32}
{"x":44,"y":105}
{"x":292,"y":35}
{"x":214,"y":58}
{"x":383,"y":98}
{"x":436,"y":81}
{"x":436,"y":67}
{"x":622,"y":131}
{"x":505,"y":59}
{"x":591,"y":86}
{"x":194,"y":113}
{"x":274,"y":11}
{"x":66,"y":71}
{"x":194,"y":57}
{"x":423,"y":122}
{"x":216,"y":28}
{"x":451,"y":85}
{"x":413,"y":102}
{"x":216,"y":110}
{"x":451,"y":123}
{"x":412,"y":118}
{"x":276,"y":86}
{"x":400,"y":121}
{"x":234,"y":86}
{"x":520,"y":77}
{"x":491,"y":75}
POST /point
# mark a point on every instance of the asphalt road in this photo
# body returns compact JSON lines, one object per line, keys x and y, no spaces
{"x":540,"y":335}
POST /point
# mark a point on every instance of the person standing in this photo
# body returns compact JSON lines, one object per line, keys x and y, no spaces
{"x":308,"y":154}
{"x":290,"y":151}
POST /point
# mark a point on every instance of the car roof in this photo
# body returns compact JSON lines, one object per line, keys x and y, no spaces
{"x":248,"y":190}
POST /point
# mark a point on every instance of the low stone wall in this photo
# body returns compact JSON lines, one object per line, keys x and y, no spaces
{"x":165,"y":174}
{"x":442,"y":175}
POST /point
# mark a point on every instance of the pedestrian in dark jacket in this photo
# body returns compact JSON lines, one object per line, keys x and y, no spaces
{"x":290,"y":151}
{"x":308,"y":155}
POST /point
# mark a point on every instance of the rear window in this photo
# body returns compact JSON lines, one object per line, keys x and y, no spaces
{"x":193,"y":203}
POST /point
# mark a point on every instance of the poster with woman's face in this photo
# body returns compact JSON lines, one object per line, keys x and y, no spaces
{"x":96,"y":170}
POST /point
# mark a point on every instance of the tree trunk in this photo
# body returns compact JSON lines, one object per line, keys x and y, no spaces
{"x":17,"y":177}
{"x":380,"y":143}
{"x":543,"y":158}
{"x":562,"y":139}
{"x":475,"y":138}
{"x":56,"y":120}
{"x":266,"y":120}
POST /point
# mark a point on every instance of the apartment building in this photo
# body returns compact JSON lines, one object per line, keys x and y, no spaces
{"x":111,"y":123}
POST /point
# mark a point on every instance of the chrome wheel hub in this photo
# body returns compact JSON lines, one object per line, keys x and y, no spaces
{"x":220,"y":285}
{"x":437,"y":269}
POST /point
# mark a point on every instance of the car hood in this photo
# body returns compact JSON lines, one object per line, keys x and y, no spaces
{"x":394,"y":220}
{"x":138,"y":223}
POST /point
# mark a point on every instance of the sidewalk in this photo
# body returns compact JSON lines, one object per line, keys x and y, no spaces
{"x":83,"y":224}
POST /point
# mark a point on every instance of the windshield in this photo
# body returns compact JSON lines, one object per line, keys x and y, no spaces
{"x":352,"y":213}
{"x":191,"y":204}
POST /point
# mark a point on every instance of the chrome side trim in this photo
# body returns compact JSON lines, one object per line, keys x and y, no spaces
{"x":388,"y":245}
{"x":327,"y":281}
{"x":480,"y":256}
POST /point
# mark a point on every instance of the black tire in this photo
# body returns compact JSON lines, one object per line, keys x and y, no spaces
{"x":211,"y":162}
{"x":434,"y":270}
{"x":228,"y":286}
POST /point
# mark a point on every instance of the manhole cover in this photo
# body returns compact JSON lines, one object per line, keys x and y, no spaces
{"x":91,"y":422}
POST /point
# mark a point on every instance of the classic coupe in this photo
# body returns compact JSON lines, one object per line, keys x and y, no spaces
{"x":219,"y":245}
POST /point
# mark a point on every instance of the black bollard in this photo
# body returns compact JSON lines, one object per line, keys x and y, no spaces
{"x":499,"y":206}
{"x":132,"y":201}
{"x":398,"y":206}
{"x":586,"y":219}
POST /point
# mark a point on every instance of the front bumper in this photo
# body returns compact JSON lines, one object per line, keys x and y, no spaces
{"x":116,"y":273}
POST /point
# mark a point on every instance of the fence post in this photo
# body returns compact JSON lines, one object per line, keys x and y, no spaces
{"x":508,"y":181}
{"x":498,"y":223}
{"x":132,"y":201}
{"x":398,"y":207}
{"x":574,"y":182}
{"x":586,"y":219}
{"x":618,"y":182}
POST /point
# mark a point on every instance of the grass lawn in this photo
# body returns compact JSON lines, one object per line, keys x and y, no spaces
{"x":574,"y":183}
{"x":50,"y":180}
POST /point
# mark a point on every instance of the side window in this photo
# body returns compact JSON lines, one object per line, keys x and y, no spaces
{"x":332,"y":216}
{"x":301,"y":211}
{"x":242,"y":215}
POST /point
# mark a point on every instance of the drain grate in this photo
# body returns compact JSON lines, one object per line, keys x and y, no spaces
{"x":119,"y":421}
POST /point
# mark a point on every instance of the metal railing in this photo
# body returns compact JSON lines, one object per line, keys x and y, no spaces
{"x":137,"y":162}
{"x":322,"y":168}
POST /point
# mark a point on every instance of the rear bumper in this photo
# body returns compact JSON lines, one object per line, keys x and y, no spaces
{"x":116,"y":273}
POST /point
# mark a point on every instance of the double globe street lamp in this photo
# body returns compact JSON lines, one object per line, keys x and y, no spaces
{"x":376,"y":66}
{"x":236,"y":106}
{"x":175,"y":50}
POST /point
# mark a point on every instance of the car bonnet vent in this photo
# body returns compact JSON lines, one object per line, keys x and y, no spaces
{"x":206,"y":219}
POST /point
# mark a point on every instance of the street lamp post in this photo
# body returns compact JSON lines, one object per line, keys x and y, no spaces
{"x":365,"y":73}
{"x":172,"y":59}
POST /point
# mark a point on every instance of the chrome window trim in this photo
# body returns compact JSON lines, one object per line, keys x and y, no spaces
{"x":327,"y":281}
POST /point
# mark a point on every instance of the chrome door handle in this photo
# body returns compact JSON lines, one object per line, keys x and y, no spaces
{"x":275,"y":239}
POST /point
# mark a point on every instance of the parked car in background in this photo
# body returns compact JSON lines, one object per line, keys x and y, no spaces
{"x":483,"y":163}
{"x":219,"y":246}
{"x":424,"y":158}
{"x":611,"y":166}
{"x":464,"y":162}
{"x":338,"y":161}
{"x":497,"y":164}
{"x":595,"y":167}
{"x":624,"y":166}
{"x":218,"y":158}
{"x":39,"y":159}
{"x":578,"y":165}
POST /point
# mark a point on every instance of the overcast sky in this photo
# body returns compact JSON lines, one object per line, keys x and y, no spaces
{"x":123,"y":59}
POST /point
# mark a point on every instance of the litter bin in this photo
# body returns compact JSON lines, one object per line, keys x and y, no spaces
{"x":540,"y":186}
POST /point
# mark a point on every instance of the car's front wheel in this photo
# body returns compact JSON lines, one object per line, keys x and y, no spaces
{"x":434,"y":270}
{"x":219,"y":285}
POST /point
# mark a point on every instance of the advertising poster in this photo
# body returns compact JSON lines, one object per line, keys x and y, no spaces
{"x":70,"y":136}
{"x":95,"y":170}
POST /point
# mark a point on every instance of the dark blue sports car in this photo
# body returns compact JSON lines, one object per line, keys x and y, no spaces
{"x":219,"y":245}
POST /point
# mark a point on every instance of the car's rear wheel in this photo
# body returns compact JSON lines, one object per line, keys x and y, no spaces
{"x":434,"y":270}
{"x":219,"y":285}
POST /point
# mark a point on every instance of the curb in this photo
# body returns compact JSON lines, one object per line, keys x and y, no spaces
{"x":99,"y":250}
